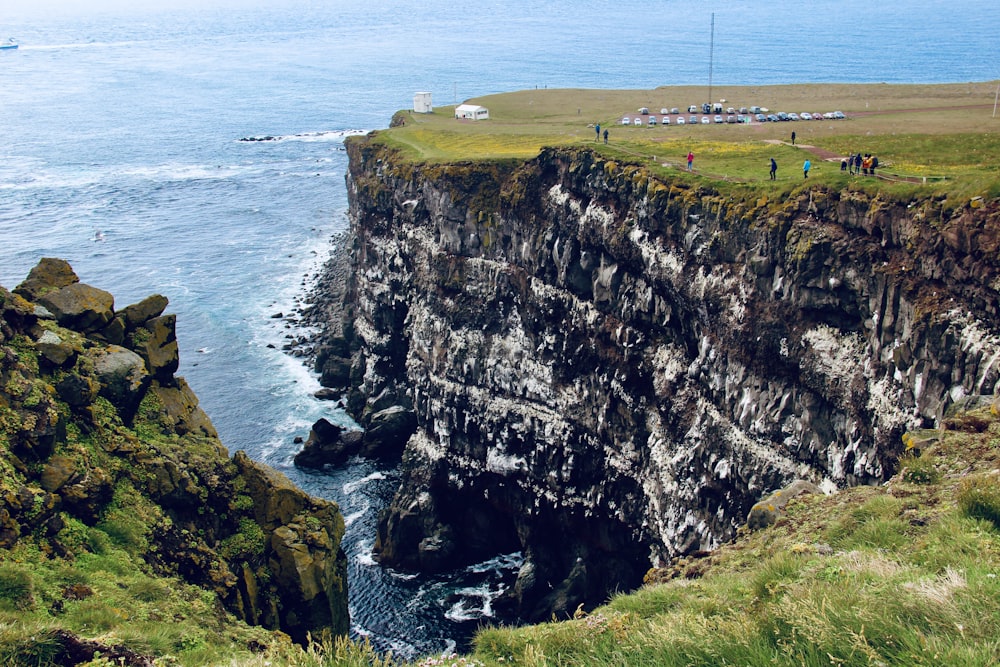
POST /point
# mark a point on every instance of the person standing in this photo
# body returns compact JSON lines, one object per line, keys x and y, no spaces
{"x":805,"y":169}
{"x":597,"y":129}
{"x":690,"y":159}
{"x":774,"y":169}
{"x":793,"y":138}
{"x":605,"y":136}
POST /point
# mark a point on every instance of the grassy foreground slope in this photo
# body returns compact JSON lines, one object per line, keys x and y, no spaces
{"x":946,"y":133}
{"x":903,"y":574}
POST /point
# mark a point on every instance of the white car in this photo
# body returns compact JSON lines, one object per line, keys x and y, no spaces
{"x":680,"y":120}
{"x":626,"y":121}
{"x":705,"y":120}
{"x":664,"y":110}
{"x":805,"y":115}
{"x":665,"y":121}
{"x":637,"y":122}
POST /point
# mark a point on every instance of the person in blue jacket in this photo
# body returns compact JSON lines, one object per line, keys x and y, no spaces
{"x":805,"y":169}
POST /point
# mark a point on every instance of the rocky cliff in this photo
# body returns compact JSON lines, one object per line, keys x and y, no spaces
{"x":102,"y":446}
{"x":608,"y":369}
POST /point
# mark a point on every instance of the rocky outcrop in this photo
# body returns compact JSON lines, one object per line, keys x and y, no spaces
{"x":608,"y":369}
{"x":96,"y":428}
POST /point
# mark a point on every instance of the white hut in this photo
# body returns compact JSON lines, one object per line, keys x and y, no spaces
{"x":472,"y":112}
{"x":422,"y":103}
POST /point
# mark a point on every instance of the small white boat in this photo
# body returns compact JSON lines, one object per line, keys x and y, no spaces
{"x":9,"y":44}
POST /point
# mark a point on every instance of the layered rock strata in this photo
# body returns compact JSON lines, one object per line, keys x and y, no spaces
{"x":96,"y":428}
{"x":608,"y":369}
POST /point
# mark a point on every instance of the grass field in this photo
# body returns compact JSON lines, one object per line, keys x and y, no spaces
{"x":946,"y":134}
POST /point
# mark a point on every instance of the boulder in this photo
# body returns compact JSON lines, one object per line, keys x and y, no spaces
{"x":80,"y":307}
{"x":181,"y":411}
{"x":328,"y":444}
{"x":77,"y":390}
{"x":767,"y":511}
{"x":159,"y":348}
{"x":48,"y":275}
{"x":137,"y":314}
{"x":54,"y":349}
{"x":387,"y":432}
{"x":122,"y":376}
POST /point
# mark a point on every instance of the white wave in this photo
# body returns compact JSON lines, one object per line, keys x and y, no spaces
{"x":364,"y":555}
{"x":351,"y":487}
{"x":312,"y":137}
{"x":402,"y":576}
{"x":511,"y":561}
{"x":475,"y":603}
{"x":354,"y":516}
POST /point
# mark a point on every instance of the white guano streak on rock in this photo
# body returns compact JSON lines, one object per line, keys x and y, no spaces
{"x":976,"y":340}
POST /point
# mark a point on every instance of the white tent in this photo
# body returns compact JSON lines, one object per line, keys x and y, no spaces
{"x":472,"y":112}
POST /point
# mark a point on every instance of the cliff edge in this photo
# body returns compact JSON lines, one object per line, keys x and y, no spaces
{"x":608,"y":369}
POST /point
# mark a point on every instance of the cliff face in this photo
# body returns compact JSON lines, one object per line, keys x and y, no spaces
{"x":100,"y":444}
{"x":608,"y":370}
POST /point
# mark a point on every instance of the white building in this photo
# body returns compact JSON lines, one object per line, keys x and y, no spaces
{"x":472,"y":112}
{"x":422,"y":103}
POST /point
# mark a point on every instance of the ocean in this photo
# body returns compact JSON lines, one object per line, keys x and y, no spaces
{"x":120,"y":151}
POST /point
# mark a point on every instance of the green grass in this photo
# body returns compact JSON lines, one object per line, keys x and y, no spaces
{"x":944,"y":133}
{"x":906,"y":574}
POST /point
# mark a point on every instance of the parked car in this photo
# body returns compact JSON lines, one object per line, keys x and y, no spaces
{"x":718,"y":119}
{"x":705,"y":120}
{"x":839,"y":115}
{"x":744,"y":111}
{"x":706,"y":108}
{"x":793,"y":116}
{"x":680,"y":120}
{"x":755,"y":110}
{"x":773,"y":118}
{"x":828,"y":115}
{"x":761,"y":118}
{"x":664,"y":110}
{"x":637,"y":121}
{"x":693,"y":108}
{"x":644,"y":111}
{"x":665,"y":120}
{"x":693,"y":120}
{"x":731,"y":118}
{"x":652,"y":120}
{"x":782,"y":115}
{"x":626,"y":120}
{"x":675,"y":110}
{"x":805,"y":115}
{"x":730,"y":110}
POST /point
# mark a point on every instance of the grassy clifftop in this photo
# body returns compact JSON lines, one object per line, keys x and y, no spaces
{"x":946,"y":134}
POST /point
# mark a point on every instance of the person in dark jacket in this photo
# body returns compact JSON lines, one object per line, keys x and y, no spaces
{"x":774,"y":169}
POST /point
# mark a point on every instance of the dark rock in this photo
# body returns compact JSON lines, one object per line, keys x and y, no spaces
{"x":768,"y":510}
{"x":328,"y":444}
{"x":336,"y":372}
{"x":180,"y":410}
{"x":387,"y":432}
{"x":159,"y":349}
{"x":80,"y":307}
{"x":137,"y":314}
{"x":122,"y":376}
{"x":55,"y":350}
{"x":327,"y":394}
{"x":48,"y":275}
{"x":77,"y":390}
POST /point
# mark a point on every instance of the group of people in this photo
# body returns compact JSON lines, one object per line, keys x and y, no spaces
{"x":806,"y":166}
{"x":860,"y":164}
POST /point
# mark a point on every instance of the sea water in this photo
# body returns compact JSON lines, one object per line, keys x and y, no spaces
{"x":120,"y":151}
